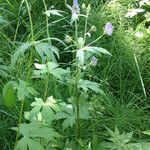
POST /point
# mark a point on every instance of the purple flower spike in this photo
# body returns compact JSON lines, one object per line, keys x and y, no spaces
{"x":75,"y":7}
{"x":94,"y":61}
{"x":109,"y":28}
{"x":75,"y":2}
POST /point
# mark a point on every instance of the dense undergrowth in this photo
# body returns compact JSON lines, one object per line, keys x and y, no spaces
{"x":105,"y":91}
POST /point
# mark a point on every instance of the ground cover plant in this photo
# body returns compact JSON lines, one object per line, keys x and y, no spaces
{"x":74,"y":75}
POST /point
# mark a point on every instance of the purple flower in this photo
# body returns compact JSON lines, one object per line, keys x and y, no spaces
{"x":94,"y":61}
{"x":75,"y":7}
{"x":109,"y":28}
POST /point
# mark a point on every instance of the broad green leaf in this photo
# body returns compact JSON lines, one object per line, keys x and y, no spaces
{"x":9,"y":94}
{"x":51,"y":68}
{"x":137,"y":146}
{"x":47,"y":49}
{"x":28,"y":144}
{"x":86,"y":85}
{"x":68,"y":122}
{"x":37,"y":130}
{"x":80,"y":57}
{"x":96,"y":50}
{"x":47,"y":109}
{"x":20,"y":51}
{"x":23,"y":90}
{"x":67,"y":113}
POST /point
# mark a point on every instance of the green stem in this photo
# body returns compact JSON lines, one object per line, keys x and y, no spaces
{"x":9,"y":4}
{"x":28,"y":74}
{"x":85,"y":30}
{"x":78,"y":117}
{"x":77,"y":106}
{"x":96,"y":40}
{"x":30,"y":18}
{"x":76,"y":90}
{"x":141,"y":79}
{"x":46,"y":88}
{"x":20,"y":119}
{"x":47,"y":26}
{"x":76,"y":31}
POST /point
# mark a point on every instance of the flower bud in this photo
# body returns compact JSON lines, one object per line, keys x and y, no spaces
{"x":83,"y":6}
{"x":93,"y":28}
{"x":68,"y":39}
{"x":94,"y":61}
{"x":89,"y":8}
{"x":84,"y":67}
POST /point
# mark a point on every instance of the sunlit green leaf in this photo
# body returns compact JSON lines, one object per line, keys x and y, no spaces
{"x":96,"y":50}
{"x":9,"y":94}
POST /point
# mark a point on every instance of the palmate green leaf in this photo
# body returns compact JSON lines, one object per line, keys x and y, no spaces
{"x":9,"y":94}
{"x":51,"y":68}
{"x":86,"y":85}
{"x":37,"y":130}
{"x":46,"y":49}
{"x":96,"y":50}
{"x":67,"y":113}
{"x":23,"y":90}
{"x":137,"y":146}
{"x":28,"y":144}
{"x":20,"y":51}
{"x":47,"y":109}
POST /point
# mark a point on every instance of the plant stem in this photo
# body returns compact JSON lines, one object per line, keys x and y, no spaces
{"x":9,"y":4}
{"x":76,"y":94}
{"x":20,"y":119}
{"x":46,"y":87}
{"x":47,"y":26}
{"x":76,"y":30}
{"x":28,"y":74}
{"x":141,"y":79}
{"x":85,"y":30}
{"x":96,"y":40}
{"x":76,"y":90}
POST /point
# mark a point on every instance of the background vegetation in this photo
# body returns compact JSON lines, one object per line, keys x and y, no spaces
{"x":124,"y":104}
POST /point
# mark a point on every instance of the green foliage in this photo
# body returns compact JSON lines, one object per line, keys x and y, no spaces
{"x":9,"y":94}
{"x":87,"y":97}
{"x":32,"y":131}
{"x":50,"y":68}
{"x":43,"y":111}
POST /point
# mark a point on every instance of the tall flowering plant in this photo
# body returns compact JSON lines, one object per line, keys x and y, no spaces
{"x":84,"y":57}
{"x":38,"y":130}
